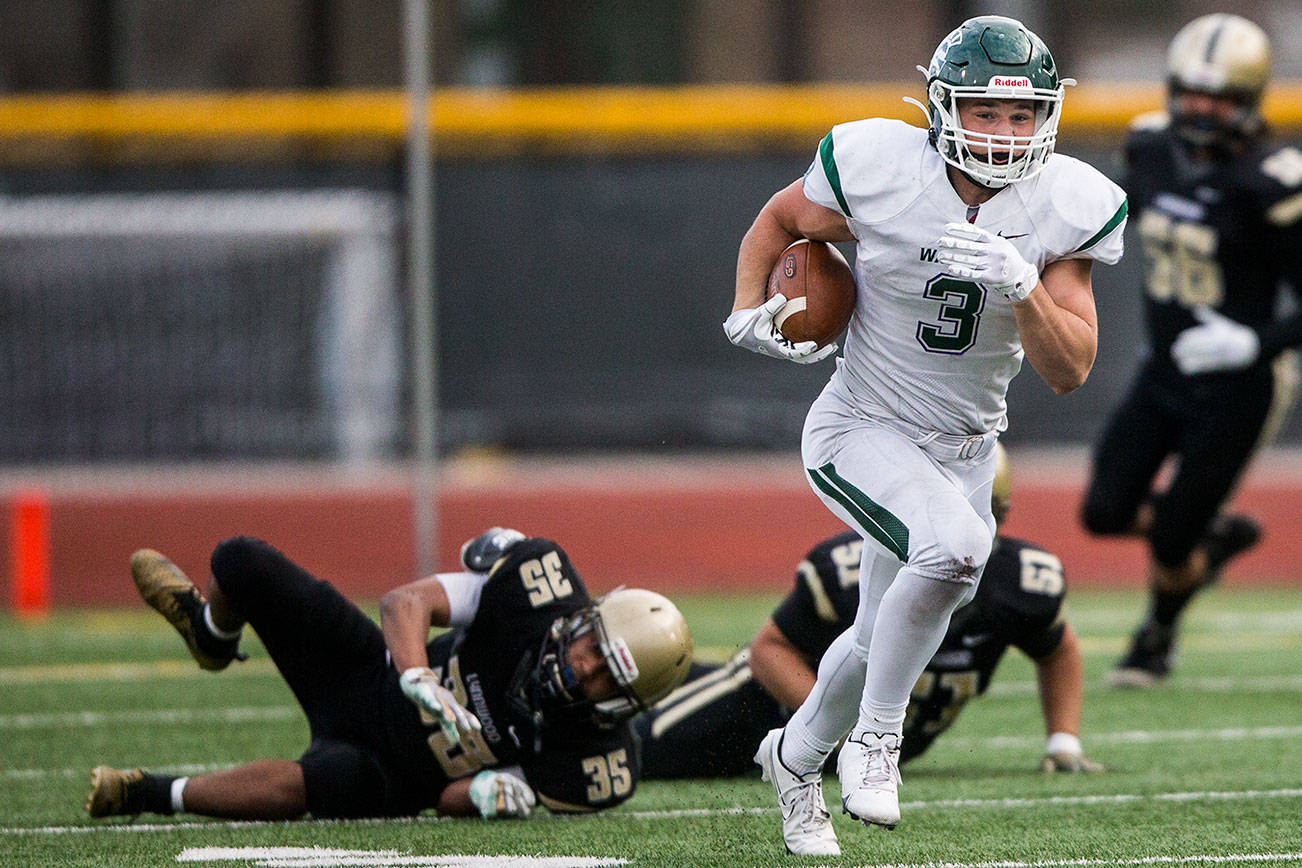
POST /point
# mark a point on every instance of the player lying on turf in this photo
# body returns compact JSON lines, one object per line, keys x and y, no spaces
{"x":712,"y":725}
{"x":526,"y":700}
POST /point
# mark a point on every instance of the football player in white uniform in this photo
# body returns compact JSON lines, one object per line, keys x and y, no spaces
{"x":974,"y":247}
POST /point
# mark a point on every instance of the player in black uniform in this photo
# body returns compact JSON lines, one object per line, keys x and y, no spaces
{"x":1219,"y":211}
{"x":711,"y":725}
{"x":528,"y":696}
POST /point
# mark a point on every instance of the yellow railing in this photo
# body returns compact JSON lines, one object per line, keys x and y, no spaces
{"x":471,"y":121}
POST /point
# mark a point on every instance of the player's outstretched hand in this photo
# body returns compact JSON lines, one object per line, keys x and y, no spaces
{"x":499,"y":794}
{"x":973,"y":253}
{"x":1218,"y":344}
{"x":752,"y":328}
{"x":1065,"y":761}
{"x":437,"y":704}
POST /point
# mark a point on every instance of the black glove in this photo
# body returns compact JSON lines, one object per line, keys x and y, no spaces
{"x":479,"y":554}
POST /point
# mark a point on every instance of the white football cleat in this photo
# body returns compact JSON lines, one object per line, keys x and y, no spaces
{"x":806,"y":823}
{"x":869,"y":767}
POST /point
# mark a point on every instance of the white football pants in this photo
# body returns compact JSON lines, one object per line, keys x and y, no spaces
{"x":921,"y":501}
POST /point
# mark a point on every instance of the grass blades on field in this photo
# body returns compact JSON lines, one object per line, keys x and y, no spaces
{"x":1204,"y":770}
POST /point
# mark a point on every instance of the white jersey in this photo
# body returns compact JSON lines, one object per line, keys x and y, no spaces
{"x":933,"y":350}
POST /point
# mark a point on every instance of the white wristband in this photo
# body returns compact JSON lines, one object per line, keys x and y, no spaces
{"x":1062,"y":742}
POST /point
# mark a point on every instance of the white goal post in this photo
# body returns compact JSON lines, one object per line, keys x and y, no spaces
{"x":192,"y":325}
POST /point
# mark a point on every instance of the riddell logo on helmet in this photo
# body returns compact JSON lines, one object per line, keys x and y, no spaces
{"x":1009,"y":81}
{"x":624,"y":662}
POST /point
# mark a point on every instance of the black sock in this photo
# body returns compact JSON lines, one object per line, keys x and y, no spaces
{"x":1167,"y":605}
{"x":158,"y":793}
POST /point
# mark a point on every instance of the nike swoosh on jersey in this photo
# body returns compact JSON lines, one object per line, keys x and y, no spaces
{"x":1011,"y":237}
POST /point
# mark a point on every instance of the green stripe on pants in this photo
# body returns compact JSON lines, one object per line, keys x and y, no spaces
{"x":873,"y":518}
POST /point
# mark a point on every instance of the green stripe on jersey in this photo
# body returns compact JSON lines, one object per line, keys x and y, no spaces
{"x":829,"y":169}
{"x":878,"y":521}
{"x":1107,"y":227}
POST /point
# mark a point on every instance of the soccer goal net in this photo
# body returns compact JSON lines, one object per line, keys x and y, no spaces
{"x":188,"y":326}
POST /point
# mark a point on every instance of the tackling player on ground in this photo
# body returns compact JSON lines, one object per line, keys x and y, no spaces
{"x":526,"y":700}
{"x":974,"y":244}
{"x":1220,"y":216}
{"x":711,"y":725}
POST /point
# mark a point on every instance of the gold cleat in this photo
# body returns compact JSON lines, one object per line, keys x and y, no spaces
{"x":167,"y":590}
{"x":114,"y":792}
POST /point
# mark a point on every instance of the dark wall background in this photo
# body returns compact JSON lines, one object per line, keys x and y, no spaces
{"x":588,"y":297}
{"x":581,"y":299}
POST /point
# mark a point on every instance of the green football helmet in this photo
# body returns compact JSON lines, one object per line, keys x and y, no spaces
{"x":994,"y":58}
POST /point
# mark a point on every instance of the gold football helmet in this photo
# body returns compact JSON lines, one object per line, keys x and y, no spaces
{"x":1221,"y":55}
{"x":647,"y":647}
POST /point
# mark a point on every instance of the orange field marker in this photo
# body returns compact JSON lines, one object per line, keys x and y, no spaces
{"x":30,"y":553}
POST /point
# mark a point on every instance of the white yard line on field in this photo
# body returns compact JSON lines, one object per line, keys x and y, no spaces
{"x":1224,"y":684}
{"x":1230,"y":858}
{"x":157,"y":716}
{"x":996,"y":804}
{"x":1105,"y":620}
{"x":1265,"y":733}
{"x":47,"y":774}
{"x":98,"y":673}
{"x":94,"y":673}
{"x":277,"y":713}
{"x":326,"y":857}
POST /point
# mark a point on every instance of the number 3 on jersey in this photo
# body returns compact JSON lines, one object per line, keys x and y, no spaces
{"x":961,"y":304}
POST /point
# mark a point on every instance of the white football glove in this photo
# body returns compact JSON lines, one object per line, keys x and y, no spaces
{"x":437,"y":704}
{"x":499,"y":794}
{"x":752,"y":328}
{"x":1063,"y":753}
{"x":973,"y":253}
{"x":1219,"y":344}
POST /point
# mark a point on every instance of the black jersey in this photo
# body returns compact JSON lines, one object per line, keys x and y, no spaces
{"x":1017,"y":603}
{"x":573,"y":765}
{"x":1220,"y":233}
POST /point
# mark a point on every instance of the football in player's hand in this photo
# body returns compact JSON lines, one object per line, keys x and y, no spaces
{"x":819,"y":287}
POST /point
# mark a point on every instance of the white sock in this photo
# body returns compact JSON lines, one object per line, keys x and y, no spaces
{"x":214,"y":629}
{"x":178,"y":791}
{"x":828,"y":712}
{"x":911,"y":623}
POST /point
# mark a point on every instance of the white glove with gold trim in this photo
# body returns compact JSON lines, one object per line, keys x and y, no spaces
{"x":437,"y":705}
{"x":500,"y":794}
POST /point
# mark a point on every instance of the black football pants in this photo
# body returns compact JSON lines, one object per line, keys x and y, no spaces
{"x":1211,"y":423}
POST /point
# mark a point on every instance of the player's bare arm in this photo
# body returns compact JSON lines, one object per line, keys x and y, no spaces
{"x":406,"y":614}
{"x":1060,"y":676}
{"x":786,"y":217}
{"x":455,"y":800}
{"x":1059,"y":326}
{"x":779,"y":667}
